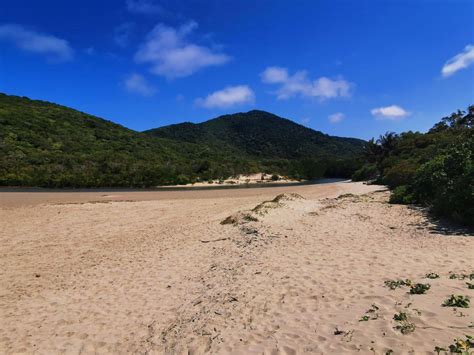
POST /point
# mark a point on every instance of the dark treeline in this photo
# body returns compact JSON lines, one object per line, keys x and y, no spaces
{"x":48,"y":145}
{"x":435,"y":169}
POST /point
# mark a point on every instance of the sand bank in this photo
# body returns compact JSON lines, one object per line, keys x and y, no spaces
{"x":161,"y":274}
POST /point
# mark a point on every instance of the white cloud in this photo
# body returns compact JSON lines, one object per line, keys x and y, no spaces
{"x":122,"y":33}
{"x":274,"y":75}
{"x":230,"y":96}
{"x":147,"y":7}
{"x":459,"y":61}
{"x":392,"y":112}
{"x":172,"y":56}
{"x":299,"y":84}
{"x":137,"y":84}
{"x":55,"y":49}
{"x":336,"y":117}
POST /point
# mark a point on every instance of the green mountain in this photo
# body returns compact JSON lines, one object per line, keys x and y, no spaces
{"x":262,"y":135}
{"x":48,"y":145}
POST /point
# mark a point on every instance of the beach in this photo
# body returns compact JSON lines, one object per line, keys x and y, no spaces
{"x":276,"y":270}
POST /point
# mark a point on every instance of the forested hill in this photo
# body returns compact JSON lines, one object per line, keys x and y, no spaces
{"x":48,"y":145}
{"x":262,"y":135}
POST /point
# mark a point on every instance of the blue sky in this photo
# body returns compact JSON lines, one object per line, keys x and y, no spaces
{"x":347,"y":68}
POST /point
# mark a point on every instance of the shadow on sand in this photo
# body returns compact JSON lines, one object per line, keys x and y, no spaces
{"x":442,"y":225}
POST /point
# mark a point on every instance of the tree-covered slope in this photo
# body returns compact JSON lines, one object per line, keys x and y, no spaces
{"x":261,"y":134}
{"x":48,"y":145}
{"x":43,"y":144}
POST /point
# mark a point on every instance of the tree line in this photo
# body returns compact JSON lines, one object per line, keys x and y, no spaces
{"x":434,"y":169}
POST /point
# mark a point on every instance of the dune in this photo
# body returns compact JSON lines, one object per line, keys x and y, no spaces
{"x":301,"y":269}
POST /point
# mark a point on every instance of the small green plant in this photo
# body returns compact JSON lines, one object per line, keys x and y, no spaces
{"x":372,"y":311}
{"x":457,"y":301}
{"x":405,"y":327}
{"x":403,"y":324}
{"x":432,"y":275}
{"x":389,"y":352}
{"x":470,"y":285}
{"x":401,"y":316}
{"x":461,"y":276}
{"x":419,"y":289}
{"x":393,"y":284}
{"x":460,"y":346}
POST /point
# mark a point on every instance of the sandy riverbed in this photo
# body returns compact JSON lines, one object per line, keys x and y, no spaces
{"x":156,"y":272}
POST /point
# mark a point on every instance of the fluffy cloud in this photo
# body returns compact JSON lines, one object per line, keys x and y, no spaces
{"x":147,"y":7}
{"x":228,"y":97}
{"x":393,"y":112}
{"x":299,"y":84}
{"x":336,"y":117}
{"x":274,"y":75}
{"x":172,"y":56}
{"x":459,"y":61}
{"x":137,"y":84}
{"x":54,"y":48}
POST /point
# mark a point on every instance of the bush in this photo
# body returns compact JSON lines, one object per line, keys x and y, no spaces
{"x":446,"y":183}
{"x":401,"y":195}
{"x":275,"y":177}
{"x":367,"y":172}
{"x":400,"y":174}
{"x":182,"y":180}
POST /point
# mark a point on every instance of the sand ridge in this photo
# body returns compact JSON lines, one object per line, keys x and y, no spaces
{"x":167,"y":277}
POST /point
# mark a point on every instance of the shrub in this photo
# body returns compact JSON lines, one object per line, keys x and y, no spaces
{"x":366,"y":172}
{"x":446,"y":183}
{"x":182,"y":180}
{"x":401,"y":195}
{"x":275,"y":177}
{"x":400,"y":174}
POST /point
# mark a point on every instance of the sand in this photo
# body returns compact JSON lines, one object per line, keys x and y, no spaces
{"x":244,"y":179}
{"x":157,"y":273}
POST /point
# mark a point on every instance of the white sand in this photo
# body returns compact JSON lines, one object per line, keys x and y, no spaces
{"x":153,"y":277}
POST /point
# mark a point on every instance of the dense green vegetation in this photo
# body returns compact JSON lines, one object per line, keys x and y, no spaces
{"x":261,"y":134}
{"x":48,"y":145}
{"x":435,"y":169}
{"x":278,"y":144}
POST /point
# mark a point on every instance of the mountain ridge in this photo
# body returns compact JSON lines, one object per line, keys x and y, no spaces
{"x":254,"y":131}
